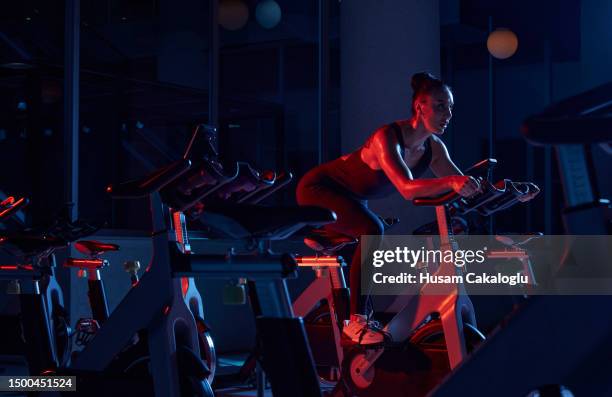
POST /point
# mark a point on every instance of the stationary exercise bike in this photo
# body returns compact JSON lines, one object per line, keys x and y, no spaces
{"x":90,"y":267}
{"x":325,"y":303}
{"x":164,"y":358}
{"x":534,"y":343}
{"x":439,"y":322}
{"x":156,"y":303}
{"x":44,"y":321}
{"x":46,"y":331}
{"x":224,"y":216}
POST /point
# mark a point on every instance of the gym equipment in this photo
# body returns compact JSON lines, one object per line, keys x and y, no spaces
{"x":47,"y":334}
{"x":43,"y":317}
{"x":46,"y":331}
{"x":90,"y":267}
{"x":572,"y":126}
{"x":514,"y":249}
{"x":230,"y":223}
{"x":156,"y":303}
{"x":325,"y":303}
{"x":45,"y":324}
{"x":230,"y":219}
{"x":555,"y":339}
{"x":324,"y":307}
{"x":440,"y":310}
{"x":10,"y":206}
{"x":86,"y":328}
{"x":40,"y":297}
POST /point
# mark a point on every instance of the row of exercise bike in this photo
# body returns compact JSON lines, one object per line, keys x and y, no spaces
{"x":156,"y":342}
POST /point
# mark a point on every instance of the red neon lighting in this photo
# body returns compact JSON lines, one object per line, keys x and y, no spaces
{"x":9,"y":200}
{"x":12,"y":204}
{"x":84,"y":263}
{"x":135,"y":283}
{"x":268,"y":175}
{"x":176,"y":218}
{"x":166,"y":310}
{"x":109,"y":188}
{"x":16,"y":267}
{"x":327,"y":261}
{"x":184,"y":285}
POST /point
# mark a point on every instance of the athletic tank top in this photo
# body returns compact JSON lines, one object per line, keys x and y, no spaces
{"x":365,"y":183}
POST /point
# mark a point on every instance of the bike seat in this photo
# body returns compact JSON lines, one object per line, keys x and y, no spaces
{"x":94,"y":248}
{"x":324,"y":240}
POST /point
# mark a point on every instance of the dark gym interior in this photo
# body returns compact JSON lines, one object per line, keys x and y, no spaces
{"x":177,"y":135}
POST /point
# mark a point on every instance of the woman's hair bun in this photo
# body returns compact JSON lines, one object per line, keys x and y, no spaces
{"x":418,"y":79}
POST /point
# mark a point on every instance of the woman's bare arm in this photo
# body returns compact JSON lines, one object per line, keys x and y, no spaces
{"x":441,"y":163}
{"x":387,"y":152}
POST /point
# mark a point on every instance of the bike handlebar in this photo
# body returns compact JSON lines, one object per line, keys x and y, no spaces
{"x":483,"y":168}
{"x":494,"y":197}
{"x":9,"y":206}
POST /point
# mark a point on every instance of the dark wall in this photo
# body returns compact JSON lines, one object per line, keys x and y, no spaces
{"x":524,"y":86}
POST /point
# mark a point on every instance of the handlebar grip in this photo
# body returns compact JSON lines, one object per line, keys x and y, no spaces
{"x":507,"y":197}
{"x":9,"y":206}
{"x":280,"y":181}
{"x":482,"y":168}
{"x":519,"y":189}
{"x":443,"y":199}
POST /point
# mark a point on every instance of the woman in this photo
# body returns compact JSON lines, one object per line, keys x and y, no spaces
{"x":391,"y":159}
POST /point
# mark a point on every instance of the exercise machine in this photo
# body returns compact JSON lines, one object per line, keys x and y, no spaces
{"x":555,"y":340}
{"x":440,"y":312}
{"x":157,"y":305}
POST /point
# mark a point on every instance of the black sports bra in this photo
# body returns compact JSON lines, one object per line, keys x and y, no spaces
{"x":364,"y":182}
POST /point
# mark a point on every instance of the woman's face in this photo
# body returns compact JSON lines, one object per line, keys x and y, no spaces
{"x":435,"y":110}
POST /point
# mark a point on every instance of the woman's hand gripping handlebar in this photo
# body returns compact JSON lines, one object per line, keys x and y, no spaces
{"x":465,"y":186}
{"x":462,"y":185}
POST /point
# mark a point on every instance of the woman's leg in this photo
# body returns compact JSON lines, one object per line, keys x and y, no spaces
{"x":353,"y":219}
{"x":358,"y":298}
